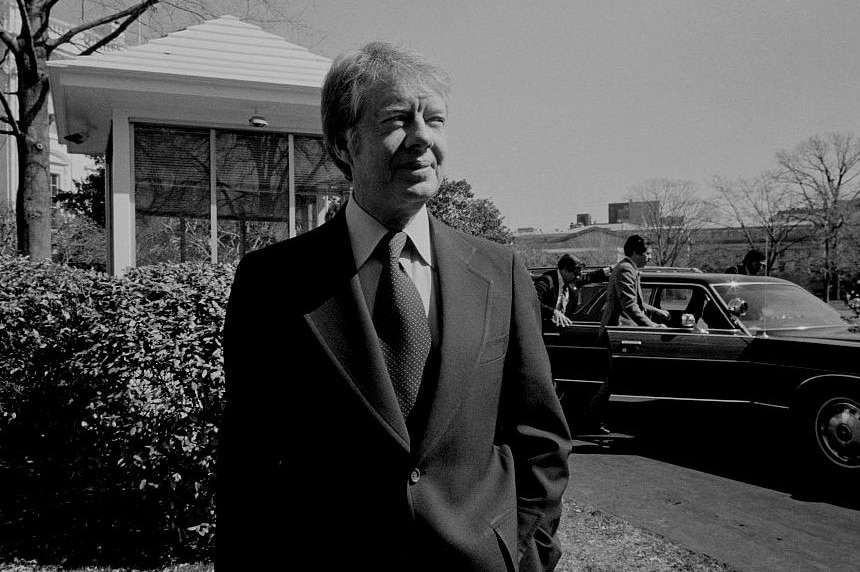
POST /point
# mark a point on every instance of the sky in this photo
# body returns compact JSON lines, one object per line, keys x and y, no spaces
{"x":560,"y":107}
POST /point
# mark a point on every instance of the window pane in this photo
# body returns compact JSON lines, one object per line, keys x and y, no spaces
{"x":252,"y":183}
{"x":171,"y":175}
{"x":321,"y":189}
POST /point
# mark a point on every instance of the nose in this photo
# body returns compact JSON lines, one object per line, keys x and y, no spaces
{"x":418,"y":134}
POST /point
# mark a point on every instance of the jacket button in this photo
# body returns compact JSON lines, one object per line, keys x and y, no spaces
{"x":415,"y":476}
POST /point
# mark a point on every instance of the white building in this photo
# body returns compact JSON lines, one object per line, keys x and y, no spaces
{"x":212,"y":138}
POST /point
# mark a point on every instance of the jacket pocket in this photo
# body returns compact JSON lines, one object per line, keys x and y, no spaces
{"x":494,"y":349}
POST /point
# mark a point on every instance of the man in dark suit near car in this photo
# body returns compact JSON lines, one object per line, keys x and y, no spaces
{"x":389,"y":401}
{"x":625,"y":305}
{"x":558,"y":290}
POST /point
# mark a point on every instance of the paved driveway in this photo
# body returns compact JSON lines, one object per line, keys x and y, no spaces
{"x":726,"y":492}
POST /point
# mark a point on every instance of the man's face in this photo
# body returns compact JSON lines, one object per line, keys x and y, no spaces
{"x":642,"y":259}
{"x":755,"y":267}
{"x":396,"y":150}
{"x":570,"y":276}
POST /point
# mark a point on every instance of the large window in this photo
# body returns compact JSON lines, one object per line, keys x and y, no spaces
{"x":190,"y":181}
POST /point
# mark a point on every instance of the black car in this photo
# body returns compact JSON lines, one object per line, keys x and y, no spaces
{"x":732,"y":339}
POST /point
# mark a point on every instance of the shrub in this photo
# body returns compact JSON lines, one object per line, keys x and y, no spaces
{"x":110,"y":397}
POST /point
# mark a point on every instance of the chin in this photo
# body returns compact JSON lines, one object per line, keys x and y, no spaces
{"x":421,"y":191}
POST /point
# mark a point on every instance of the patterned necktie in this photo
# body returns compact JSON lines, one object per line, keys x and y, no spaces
{"x":401,"y":325}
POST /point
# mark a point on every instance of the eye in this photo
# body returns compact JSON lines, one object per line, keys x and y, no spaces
{"x":436,"y":120}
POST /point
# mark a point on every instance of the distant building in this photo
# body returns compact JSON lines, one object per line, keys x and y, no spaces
{"x":528,"y":230}
{"x":583,"y":219}
{"x":634,"y":212}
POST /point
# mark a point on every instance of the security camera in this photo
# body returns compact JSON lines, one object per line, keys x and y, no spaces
{"x":258,"y":121}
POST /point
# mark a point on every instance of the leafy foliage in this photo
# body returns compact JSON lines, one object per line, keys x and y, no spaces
{"x":455,"y":205}
{"x":110,"y":392}
{"x":88,"y":198}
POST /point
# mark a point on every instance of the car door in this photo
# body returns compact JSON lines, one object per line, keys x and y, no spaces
{"x":707,"y":362}
{"x":576,"y":356}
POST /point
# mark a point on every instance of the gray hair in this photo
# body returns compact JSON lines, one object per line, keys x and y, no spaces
{"x":354,"y":74}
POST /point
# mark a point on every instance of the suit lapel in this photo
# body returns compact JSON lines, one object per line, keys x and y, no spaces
{"x":343,"y":326}
{"x":464,"y":299}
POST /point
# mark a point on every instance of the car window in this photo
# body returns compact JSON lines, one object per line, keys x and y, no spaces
{"x":675,"y":299}
{"x":775,"y":305}
{"x":591,"y":303}
{"x":690,"y":299}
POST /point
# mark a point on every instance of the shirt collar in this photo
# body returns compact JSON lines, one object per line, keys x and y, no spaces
{"x":365,"y":232}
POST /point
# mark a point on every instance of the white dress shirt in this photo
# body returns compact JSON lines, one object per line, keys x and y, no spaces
{"x":365,"y":232}
{"x":563,"y":293}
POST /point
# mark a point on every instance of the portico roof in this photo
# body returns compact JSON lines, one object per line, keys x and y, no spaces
{"x":223,"y":66}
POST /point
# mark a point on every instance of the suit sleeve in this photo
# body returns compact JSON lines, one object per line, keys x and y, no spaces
{"x":543,"y":287}
{"x":241,"y":477}
{"x":626,"y":286}
{"x":536,"y":431}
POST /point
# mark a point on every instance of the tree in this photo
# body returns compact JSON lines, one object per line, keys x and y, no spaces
{"x":760,"y":208}
{"x":455,"y":205}
{"x":823,"y":171}
{"x":672,"y":214}
{"x":30,"y":47}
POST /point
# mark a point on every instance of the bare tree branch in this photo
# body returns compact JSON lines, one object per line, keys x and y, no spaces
{"x":114,"y":34}
{"x":136,"y":10}
{"x":10,"y":117}
{"x":10,"y":41}
{"x":26,"y":33}
{"x":672,"y":214}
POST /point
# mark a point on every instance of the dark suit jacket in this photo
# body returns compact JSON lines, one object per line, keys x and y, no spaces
{"x":737,"y":269}
{"x":546,"y":286}
{"x":315,"y":460}
{"x":624,"y":298}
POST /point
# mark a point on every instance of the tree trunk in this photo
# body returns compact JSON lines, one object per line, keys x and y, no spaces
{"x":34,"y":185}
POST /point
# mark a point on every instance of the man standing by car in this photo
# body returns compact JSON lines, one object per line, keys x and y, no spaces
{"x":624,"y":306}
{"x":390,"y":404}
{"x":558,"y":290}
{"x":752,"y":264}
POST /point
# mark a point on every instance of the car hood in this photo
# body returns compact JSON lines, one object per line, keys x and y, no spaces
{"x":847,"y":333}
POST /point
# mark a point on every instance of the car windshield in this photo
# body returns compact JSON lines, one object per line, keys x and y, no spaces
{"x":774,"y":306}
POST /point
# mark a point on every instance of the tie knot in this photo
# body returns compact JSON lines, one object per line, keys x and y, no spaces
{"x":396,"y":242}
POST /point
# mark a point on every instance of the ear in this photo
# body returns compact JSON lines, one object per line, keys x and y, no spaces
{"x":341,"y":144}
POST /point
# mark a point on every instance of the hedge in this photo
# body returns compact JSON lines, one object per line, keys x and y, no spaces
{"x":110,"y":397}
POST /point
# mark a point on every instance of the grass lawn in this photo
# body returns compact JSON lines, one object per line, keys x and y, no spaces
{"x":593,"y":541}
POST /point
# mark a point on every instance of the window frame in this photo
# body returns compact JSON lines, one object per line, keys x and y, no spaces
{"x":212,"y":215}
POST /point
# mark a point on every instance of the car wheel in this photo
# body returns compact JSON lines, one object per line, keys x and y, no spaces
{"x":836,"y":425}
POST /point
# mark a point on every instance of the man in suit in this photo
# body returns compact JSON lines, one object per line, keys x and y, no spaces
{"x":624,"y":306}
{"x":389,"y":400}
{"x":558,"y":290}
{"x":753,"y":263}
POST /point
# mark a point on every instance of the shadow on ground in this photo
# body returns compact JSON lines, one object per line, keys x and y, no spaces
{"x":741,"y":443}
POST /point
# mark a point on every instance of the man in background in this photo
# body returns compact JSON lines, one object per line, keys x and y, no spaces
{"x":624,"y":306}
{"x":752,"y":264}
{"x":558,"y":290}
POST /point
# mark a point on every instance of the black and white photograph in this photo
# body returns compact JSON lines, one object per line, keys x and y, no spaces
{"x":451,"y":286}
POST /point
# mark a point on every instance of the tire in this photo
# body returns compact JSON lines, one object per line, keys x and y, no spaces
{"x":831,"y":430}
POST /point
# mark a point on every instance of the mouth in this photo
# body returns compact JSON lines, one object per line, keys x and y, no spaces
{"x":414,"y":165}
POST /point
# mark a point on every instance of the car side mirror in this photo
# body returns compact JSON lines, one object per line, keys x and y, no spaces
{"x":688,"y":321}
{"x":738,"y":307}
